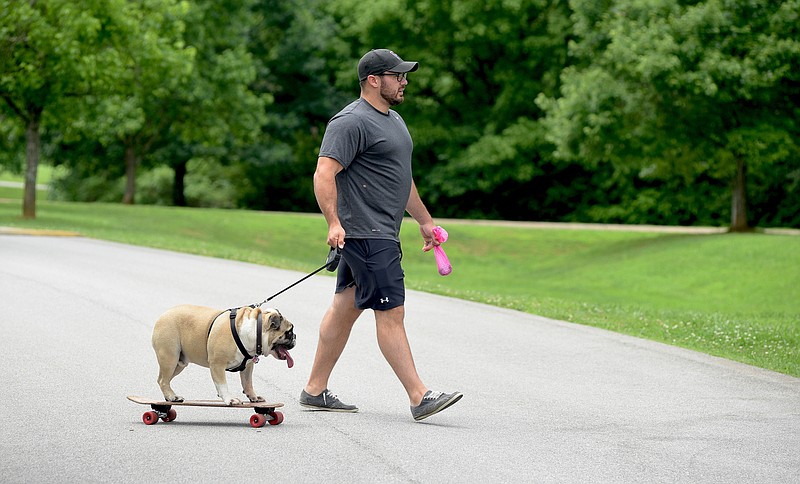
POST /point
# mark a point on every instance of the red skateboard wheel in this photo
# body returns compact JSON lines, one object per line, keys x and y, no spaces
{"x":257,"y":420}
{"x":150,"y":418}
{"x":277,"y":418}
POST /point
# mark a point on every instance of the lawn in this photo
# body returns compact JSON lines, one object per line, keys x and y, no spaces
{"x":730,"y":295}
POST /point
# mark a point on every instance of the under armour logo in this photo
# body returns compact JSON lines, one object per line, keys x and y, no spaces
{"x":384,"y":300}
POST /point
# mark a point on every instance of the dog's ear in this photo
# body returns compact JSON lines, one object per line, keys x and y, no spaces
{"x":275,"y":320}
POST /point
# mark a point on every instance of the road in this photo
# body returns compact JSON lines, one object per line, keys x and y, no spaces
{"x":545,"y":400}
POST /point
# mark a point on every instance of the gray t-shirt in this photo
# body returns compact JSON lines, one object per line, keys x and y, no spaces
{"x":373,"y":188}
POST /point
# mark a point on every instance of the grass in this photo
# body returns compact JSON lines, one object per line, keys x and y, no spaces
{"x":729,"y":295}
{"x":44,"y":175}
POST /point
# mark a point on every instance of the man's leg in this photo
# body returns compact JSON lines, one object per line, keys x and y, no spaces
{"x":393,"y":343}
{"x":334,"y":331}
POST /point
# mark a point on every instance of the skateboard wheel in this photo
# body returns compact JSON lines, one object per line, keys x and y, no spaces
{"x":171,"y":415}
{"x":150,"y":418}
{"x":257,"y":420}
{"x":277,"y":418}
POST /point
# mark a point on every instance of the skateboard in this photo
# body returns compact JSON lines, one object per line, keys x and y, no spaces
{"x":264,"y":411}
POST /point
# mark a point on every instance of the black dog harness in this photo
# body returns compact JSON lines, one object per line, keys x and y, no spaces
{"x":331,"y":264}
{"x":238,"y":341}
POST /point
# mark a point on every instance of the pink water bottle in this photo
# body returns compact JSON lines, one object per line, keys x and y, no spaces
{"x":442,"y":262}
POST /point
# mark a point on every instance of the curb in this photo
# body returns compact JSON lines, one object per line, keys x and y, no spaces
{"x":42,"y":232}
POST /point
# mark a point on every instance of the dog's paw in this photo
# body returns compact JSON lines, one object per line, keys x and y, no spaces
{"x":232,"y":401}
{"x":174,"y":398}
{"x":257,"y":398}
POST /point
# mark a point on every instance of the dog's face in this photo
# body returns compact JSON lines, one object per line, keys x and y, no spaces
{"x":279,"y":335}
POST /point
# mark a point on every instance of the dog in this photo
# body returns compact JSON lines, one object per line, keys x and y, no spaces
{"x":203,"y":336}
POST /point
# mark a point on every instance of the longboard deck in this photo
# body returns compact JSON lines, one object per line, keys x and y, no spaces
{"x":203,"y":403}
{"x":162,"y":410}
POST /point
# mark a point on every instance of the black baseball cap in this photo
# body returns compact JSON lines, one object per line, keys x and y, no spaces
{"x":378,"y":61}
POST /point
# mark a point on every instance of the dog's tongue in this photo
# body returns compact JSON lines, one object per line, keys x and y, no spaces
{"x":284,"y":354}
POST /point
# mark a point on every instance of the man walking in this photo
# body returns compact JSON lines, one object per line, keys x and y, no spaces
{"x":363,"y":185}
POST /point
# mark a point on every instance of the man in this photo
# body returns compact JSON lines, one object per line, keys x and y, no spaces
{"x":363,"y":186}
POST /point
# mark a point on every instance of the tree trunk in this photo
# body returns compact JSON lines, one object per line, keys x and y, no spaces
{"x":178,"y":185}
{"x":32,"y":150}
{"x":739,"y":199}
{"x":131,"y":161}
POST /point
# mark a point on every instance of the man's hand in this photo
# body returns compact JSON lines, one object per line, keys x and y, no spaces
{"x":336,"y":236}
{"x":427,"y":235}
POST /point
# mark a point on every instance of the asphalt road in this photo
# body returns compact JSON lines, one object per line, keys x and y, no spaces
{"x":545,"y":401}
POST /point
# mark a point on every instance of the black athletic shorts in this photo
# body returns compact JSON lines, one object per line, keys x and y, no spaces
{"x":373,"y":267}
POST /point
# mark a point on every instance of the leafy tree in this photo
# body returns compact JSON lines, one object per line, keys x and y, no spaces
{"x":182,"y":94}
{"x":663,"y":89}
{"x":300,"y":56}
{"x":49,"y":51}
{"x":470,"y":107}
{"x":155,"y":66}
{"x":219,"y":112}
{"x":664,"y":109}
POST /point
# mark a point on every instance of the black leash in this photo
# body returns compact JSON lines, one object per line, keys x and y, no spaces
{"x":331,"y":263}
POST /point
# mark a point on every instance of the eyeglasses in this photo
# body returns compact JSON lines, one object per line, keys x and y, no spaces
{"x":400,"y":76}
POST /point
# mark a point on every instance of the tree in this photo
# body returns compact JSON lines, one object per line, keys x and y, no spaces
{"x":300,"y":57}
{"x":156,"y":67}
{"x":218,"y":112}
{"x":48,"y":51}
{"x":181,"y":93}
{"x":662,"y":88}
{"x":470,"y":107}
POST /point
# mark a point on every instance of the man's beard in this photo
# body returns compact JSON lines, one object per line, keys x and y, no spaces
{"x":392,"y":100}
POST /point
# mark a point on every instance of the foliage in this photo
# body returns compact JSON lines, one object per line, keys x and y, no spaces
{"x":183,"y":92}
{"x":470,"y":106}
{"x":645,"y":111}
{"x":300,"y":54}
{"x":49,"y":51}
{"x":665,"y":92}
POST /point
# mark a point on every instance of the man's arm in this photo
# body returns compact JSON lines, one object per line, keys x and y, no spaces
{"x":325,"y":192}
{"x":417,"y":209}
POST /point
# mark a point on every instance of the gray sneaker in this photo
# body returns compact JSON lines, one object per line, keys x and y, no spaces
{"x":434,"y":402}
{"x":325,"y":401}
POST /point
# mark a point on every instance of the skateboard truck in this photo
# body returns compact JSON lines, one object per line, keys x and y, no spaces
{"x":163,"y":412}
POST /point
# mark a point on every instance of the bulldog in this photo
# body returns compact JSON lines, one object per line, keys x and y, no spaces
{"x":221,"y":341}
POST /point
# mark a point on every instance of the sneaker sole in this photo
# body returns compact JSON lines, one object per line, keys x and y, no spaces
{"x":448,"y":403}
{"x":328,"y":409}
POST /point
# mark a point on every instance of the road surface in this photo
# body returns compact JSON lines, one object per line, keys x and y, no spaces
{"x":545,"y":401}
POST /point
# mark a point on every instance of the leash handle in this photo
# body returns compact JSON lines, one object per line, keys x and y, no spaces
{"x":333,"y":259}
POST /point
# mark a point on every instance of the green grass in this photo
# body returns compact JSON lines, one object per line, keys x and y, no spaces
{"x":732,"y":295}
{"x":44,"y":174}
{"x":14,"y":193}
